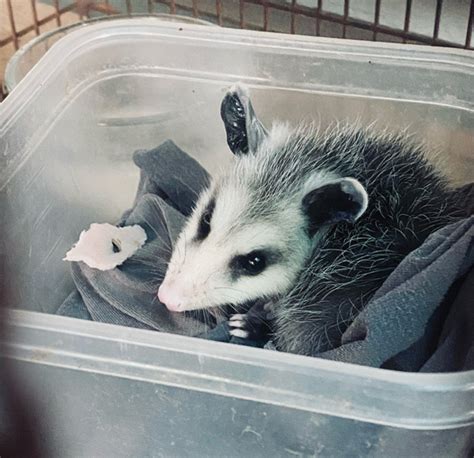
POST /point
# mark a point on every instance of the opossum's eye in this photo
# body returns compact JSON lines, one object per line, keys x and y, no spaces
{"x":252,"y":263}
{"x":204,"y":225}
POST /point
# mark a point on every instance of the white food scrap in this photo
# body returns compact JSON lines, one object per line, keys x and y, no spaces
{"x":104,"y":246}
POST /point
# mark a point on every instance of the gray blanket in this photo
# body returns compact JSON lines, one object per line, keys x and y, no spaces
{"x":399,"y":327}
{"x":417,"y":319}
{"x":170,"y":180}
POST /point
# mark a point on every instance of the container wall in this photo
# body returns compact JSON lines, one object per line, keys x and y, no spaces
{"x":111,"y":391}
{"x":67,"y":134}
{"x":100,"y":415}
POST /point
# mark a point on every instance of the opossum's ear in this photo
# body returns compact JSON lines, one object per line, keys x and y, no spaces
{"x":244,"y":131}
{"x":341,"y":200}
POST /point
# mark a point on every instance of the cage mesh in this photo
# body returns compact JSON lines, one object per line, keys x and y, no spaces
{"x":432,"y":22}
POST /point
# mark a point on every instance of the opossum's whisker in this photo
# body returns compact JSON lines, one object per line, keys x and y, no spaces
{"x":229,"y":288}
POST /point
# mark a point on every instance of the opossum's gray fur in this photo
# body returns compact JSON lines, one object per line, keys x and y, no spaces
{"x":408,"y":200}
{"x":325,"y":217}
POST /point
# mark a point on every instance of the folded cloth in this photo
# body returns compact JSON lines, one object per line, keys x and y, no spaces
{"x":126,"y":295}
{"x":422,"y":318}
{"x":455,"y":346}
{"x":396,"y":328}
{"x":171,"y":174}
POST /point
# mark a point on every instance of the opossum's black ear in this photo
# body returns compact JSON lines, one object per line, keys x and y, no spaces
{"x":341,"y":200}
{"x":244,"y":131}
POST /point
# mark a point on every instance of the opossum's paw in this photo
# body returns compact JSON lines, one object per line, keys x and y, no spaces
{"x":249,"y":326}
{"x":237,"y":326}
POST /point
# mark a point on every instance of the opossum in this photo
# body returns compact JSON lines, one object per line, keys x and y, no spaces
{"x":309,"y":222}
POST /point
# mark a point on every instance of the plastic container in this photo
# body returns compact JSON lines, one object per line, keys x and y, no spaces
{"x":67,"y":134}
{"x":29,"y":54}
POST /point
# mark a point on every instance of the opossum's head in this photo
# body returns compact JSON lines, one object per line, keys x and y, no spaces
{"x":254,"y":228}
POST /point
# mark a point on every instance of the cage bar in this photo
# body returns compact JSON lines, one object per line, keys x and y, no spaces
{"x":406,"y":25}
{"x":376,"y":18}
{"x":318,"y":20}
{"x":346,"y":17}
{"x":34,"y":12}
{"x":293,"y":18}
{"x":219,"y":11}
{"x":195,"y":9}
{"x":104,"y":8}
{"x":439,"y":7}
{"x":265,"y":15}
{"x":14,"y":36}
{"x":57,"y":15}
{"x":467,"y":44}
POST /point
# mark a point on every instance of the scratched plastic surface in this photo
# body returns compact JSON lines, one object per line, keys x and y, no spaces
{"x":67,"y":133}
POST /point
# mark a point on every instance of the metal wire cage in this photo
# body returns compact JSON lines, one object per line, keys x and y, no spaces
{"x":433,"y":22}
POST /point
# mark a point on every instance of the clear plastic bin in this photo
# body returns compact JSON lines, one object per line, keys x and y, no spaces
{"x":67,"y":133}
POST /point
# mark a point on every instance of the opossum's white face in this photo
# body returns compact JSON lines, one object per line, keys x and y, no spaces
{"x":239,"y":246}
{"x":226,"y":256}
{"x":253,"y":230}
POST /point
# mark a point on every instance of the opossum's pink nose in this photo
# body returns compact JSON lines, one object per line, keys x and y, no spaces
{"x":170,"y":297}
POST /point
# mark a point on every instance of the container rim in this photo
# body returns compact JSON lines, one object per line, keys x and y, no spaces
{"x":10,"y":76}
{"x":431,"y":401}
{"x":69,"y":45}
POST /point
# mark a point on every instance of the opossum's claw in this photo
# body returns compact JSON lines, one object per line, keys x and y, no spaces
{"x":255,"y":325}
